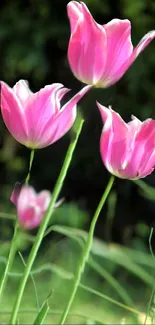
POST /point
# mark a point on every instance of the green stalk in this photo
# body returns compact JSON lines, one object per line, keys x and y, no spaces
{"x":13,"y":247}
{"x":86,"y":250}
{"x":10,"y":260}
{"x":30,"y":166}
{"x":44,"y":223}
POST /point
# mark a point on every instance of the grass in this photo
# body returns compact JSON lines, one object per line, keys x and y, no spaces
{"x":54,"y":271}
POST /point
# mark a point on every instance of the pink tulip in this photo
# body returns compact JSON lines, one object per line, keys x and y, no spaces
{"x":127,"y":149}
{"x":99,"y":55}
{"x":31,"y":207}
{"x":37,"y":119}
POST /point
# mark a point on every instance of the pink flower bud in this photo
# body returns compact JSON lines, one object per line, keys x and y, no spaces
{"x":31,"y":207}
{"x":37,"y":119}
{"x":99,"y":55}
{"x":127,"y":149}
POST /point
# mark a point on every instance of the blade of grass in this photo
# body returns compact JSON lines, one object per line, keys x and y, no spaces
{"x":109,"y":252}
{"x":42,"y":314}
{"x":95,"y":319}
{"x":8,"y":216}
{"x":33,"y":281}
{"x":148,"y":191}
{"x":66,"y":275}
{"x":43,"y":311}
{"x":105,"y":274}
{"x":153,"y":289}
{"x":141,"y":258}
{"x":112,"y":281}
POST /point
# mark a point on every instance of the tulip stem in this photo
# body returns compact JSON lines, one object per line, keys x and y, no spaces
{"x":86,"y":250}
{"x":45,"y":222}
{"x":10,"y":260}
{"x":13,"y":247}
{"x":30,"y":166}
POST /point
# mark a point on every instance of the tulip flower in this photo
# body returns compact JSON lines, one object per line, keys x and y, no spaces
{"x":127,"y":149}
{"x":99,"y":55}
{"x":31,"y":207}
{"x":37,"y":119}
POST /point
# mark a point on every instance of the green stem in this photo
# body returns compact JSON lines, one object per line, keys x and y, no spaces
{"x":30,"y":166}
{"x":44,"y":223}
{"x":13,"y":247}
{"x":10,"y":260}
{"x":86,"y":250}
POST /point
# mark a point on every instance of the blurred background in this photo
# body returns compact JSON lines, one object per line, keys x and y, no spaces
{"x":34,"y":37}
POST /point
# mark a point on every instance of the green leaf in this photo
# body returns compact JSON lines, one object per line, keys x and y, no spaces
{"x":111,"y":252}
{"x":147,"y":190}
{"x":42,"y":314}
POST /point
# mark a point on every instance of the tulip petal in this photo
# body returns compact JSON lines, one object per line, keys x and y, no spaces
{"x":15,"y":194}
{"x":63,"y":121}
{"x":42,"y":108}
{"x":74,"y":10}
{"x":87,"y":47}
{"x":27,"y":194}
{"x":113,"y":142}
{"x":119,"y":127}
{"x":43,"y":103}
{"x":147,"y":135}
{"x":27,"y":209}
{"x":43,"y":199}
{"x":119,"y":46}
{"x":149,"y":166}
{"x":144,"y":144}
{"x":58,"y":96}
{"x":139,"y":48}
{"x":30,"y":217}
{"x":142,"y":44}
{"x":13,"y":113}
{"x":133,"y":129}
{"x":22,"y":91}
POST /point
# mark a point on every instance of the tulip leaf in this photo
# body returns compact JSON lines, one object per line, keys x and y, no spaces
{"x":42,"y":314}
{"x":130,"y":259}
{"x":147,"y":190}
{"x":67,"y":275}
{"x":112,"y":252}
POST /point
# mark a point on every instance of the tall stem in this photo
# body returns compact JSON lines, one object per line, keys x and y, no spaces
{"x":86,"y":250}
{"x":13,"y":247}
{"x":44,"y":223}
{"x":10,"y":260}
{"x":30,"y":166}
